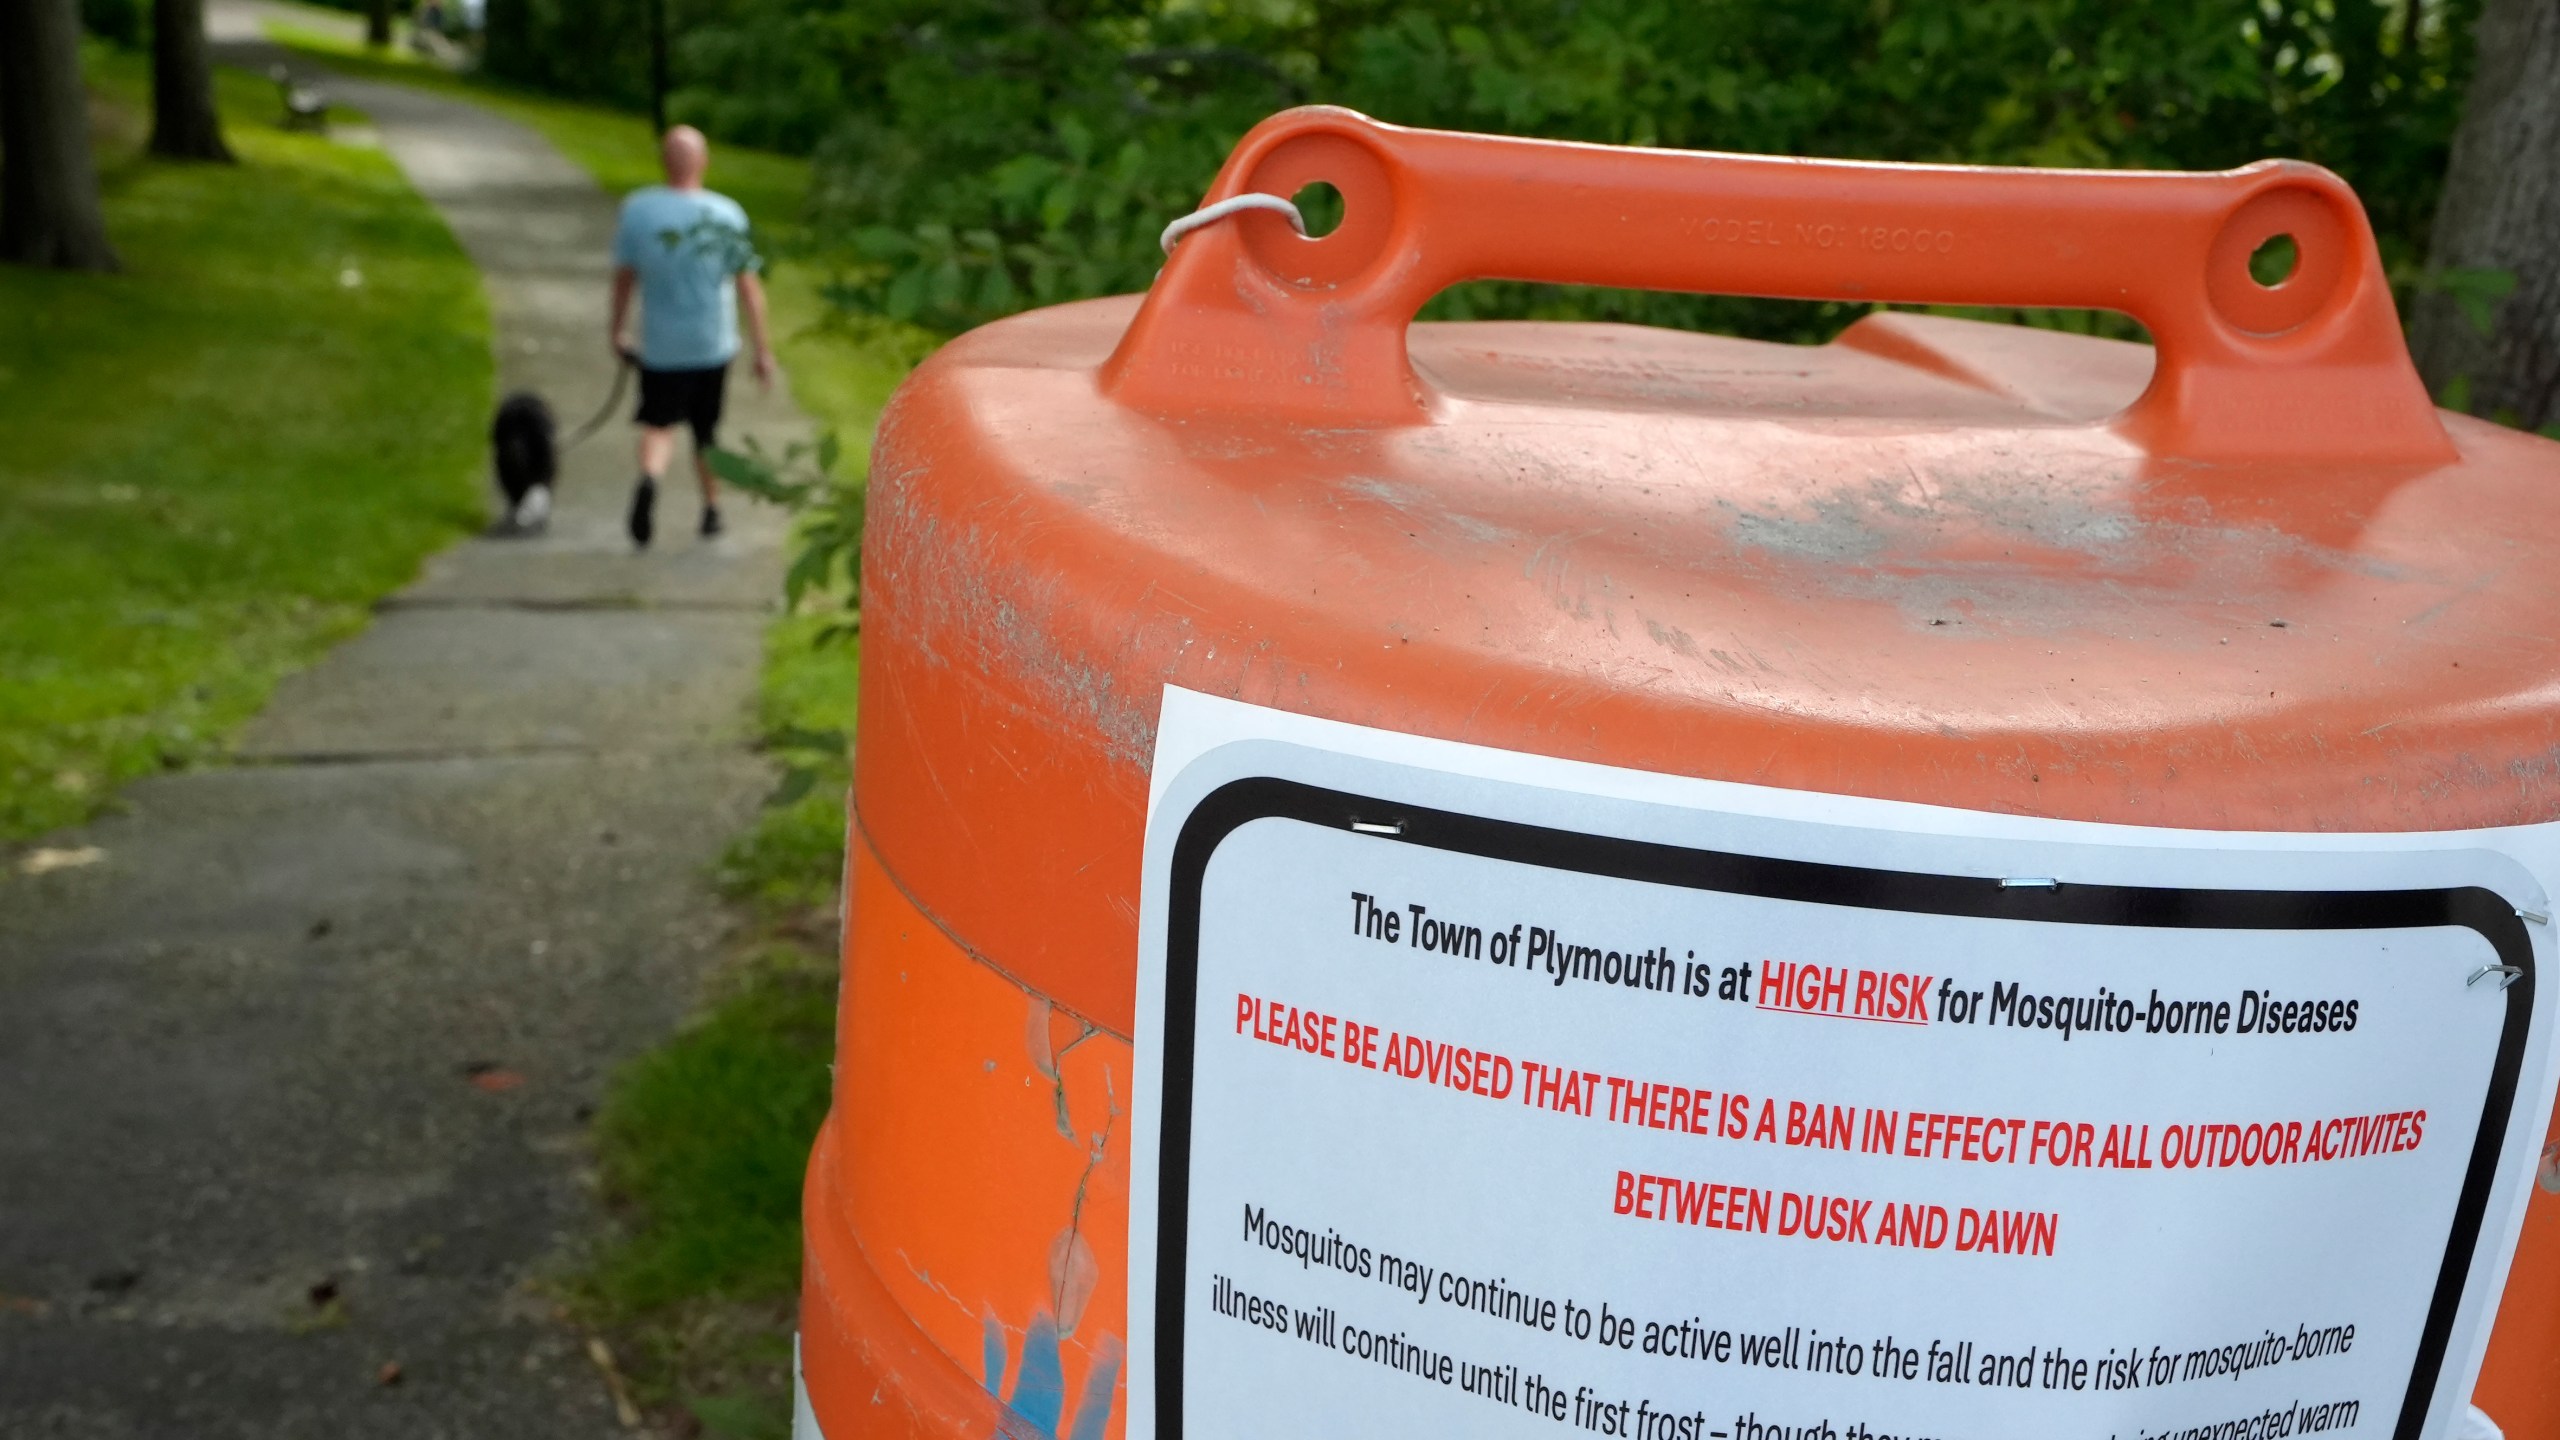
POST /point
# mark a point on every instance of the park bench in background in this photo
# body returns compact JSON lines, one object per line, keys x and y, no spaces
{"x":306,"y":107}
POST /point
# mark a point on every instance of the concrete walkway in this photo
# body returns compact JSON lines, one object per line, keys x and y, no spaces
{"x":295,"y":1083}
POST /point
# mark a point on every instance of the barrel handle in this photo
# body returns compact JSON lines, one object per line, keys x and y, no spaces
{"x":1248,"y":317}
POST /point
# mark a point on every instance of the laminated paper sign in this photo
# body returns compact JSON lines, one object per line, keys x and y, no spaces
{"x":1483,"y":1094}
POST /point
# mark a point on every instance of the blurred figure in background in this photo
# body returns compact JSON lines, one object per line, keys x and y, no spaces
{"x":684,"y":251}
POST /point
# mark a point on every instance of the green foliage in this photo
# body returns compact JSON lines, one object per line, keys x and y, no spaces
{"x":789,"y":861}
{"x":598,"y":51}
{"x":828,"y":559}
{"x":582,"y":49}
{"x":178,"y":527}
{"x":741,"y":1417}
{"x":1006,"y":153}
{"x":2476,"y":292}
{"x":980,"y":156}
{"x":995,"y":154}
{"x":795,"y":852}
{"x":125,"y":24}
{"x":768,"y":74}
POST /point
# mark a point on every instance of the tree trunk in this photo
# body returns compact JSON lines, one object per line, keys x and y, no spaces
{"x":183,"y":123}
{"x":377,"y":22}
{"x":49,"y":211}
{"x":2501,"y":212}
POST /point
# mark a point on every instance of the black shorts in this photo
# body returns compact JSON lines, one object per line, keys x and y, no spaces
{"x":684,"y":397}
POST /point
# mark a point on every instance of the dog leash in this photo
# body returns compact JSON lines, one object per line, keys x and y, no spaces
{"x":612,"y":402}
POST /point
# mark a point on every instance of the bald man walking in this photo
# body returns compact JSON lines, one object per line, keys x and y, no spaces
{"x":684,"y":251}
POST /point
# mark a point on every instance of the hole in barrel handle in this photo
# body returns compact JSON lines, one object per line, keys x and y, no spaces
{"x":1320,"y":205}
{"x":2275,"y":260}
{"x":1345,"y":194}
{"x":2281,"y":259}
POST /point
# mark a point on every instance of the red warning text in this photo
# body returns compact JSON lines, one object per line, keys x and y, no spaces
{"x":1891,"y":996}
{"x":1835,"y":1219}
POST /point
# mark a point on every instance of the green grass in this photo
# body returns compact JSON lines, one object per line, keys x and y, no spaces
{"x":788,"y":864}
{"x":218,"y":458}
{"x":724,"y":1198}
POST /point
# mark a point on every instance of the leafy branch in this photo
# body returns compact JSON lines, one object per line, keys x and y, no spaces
{"x":825,"y":574}
{"x":827,"y":518}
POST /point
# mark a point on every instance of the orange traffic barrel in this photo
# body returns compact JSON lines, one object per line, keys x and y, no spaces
{"x":1508,"y":879}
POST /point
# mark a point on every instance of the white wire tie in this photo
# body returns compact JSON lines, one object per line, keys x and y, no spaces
{"x":1372,"y":827}
{"x":1233,"y":205}
{"x":2029,"y":882}
{"x":2507,"y":975}
{"x":2536,"y":916}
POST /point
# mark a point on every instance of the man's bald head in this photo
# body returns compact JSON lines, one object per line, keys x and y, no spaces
{"x":686,"y":155}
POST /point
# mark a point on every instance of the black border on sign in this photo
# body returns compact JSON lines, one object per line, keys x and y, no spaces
{"x":1239,"y":803}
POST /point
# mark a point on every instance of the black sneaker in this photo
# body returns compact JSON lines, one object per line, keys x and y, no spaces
{"x":644,"y":511}
{"x":710,"y":521}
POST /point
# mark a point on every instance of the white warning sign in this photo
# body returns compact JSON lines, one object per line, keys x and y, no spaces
{"x":1488,"y":1095}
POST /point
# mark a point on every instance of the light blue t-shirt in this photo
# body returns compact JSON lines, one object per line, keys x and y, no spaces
{"x":686,"y":246}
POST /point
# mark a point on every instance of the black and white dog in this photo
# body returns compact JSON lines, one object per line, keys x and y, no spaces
{"x":523,"y":439}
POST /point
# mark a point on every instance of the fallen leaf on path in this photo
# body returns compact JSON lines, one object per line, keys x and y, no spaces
{"x":623,"y":1409}
{"x":495,"y":1081}
{"x":26,"y":1305}
{"x":325,"y":1315}
{"x":389,"y":1374}
{"x":46,"y":861}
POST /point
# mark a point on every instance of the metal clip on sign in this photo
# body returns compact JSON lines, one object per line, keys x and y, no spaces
{"x":2309,"y":369}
